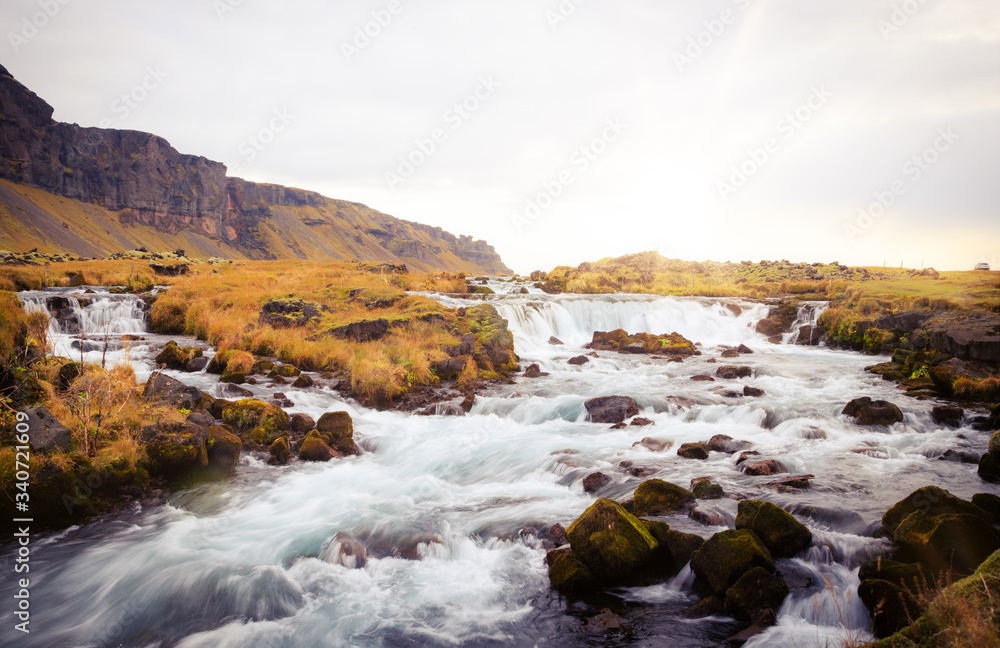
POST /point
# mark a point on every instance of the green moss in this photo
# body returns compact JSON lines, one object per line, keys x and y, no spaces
{"x":256,"y":421}
{"x":612,"y":543}
{"x":782,"y":534}
{"x":657,"y":497}
{"x":756,"y":590}
{"x":726,"y":556}
{"x":705,"y":489}
{"x":932,"y":501}
{"x":567,"y":573}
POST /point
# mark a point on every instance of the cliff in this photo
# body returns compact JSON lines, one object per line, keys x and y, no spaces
{"x":94,"y":191}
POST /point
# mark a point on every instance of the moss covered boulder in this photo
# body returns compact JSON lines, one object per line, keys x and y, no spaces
{"x":756,"y":590}
{"x":989,"y":463}
{"x":958,"y":542}
{"x":657,"y":497}
{"x":313,"y":448}
{"x":891,"y":606}
{"x":614,"y":545}
{"x":705,"y":489}
{"x":223,"y":452}
{"x":726,"y":557}
{"x":176,"y":450}
{"x":280,"y":452}
{"x":567,"y":573}
{"x":693,"y":451}
{"x":675,"y":548}
{"x":782,"y":534}
{"x":494,"y":341}
{"x":255,"y":421}
{"x":176,"y":357}
{"x":337,"y":430}
{"x":930,"y":500}
{"x":868,"y":412}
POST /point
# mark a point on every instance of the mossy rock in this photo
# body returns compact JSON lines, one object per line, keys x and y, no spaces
{"x":958,"y":542}
{"x":989,"y":468}
{"x":314,"y":448}
{"x":989,"y":503}
{"x":756,"y":590}
{"x":614,"y":545}
{"x":911,"y":576}
{"x":494,"y":341}
{"x":262,"y":366}
{"x":891,"y":606}
{"x":255,"y":421}
{"x":705,"y":489}
{"x":567,"y":573}
{"x":176,"y":450}
{"x":676,"y":548}
{"x":337,"y":430}
{"x":217,"y":406}
{"x":285,"y":371}
{"x":280,"y":452}
{"x":302,"y":423}
{"x":176,"y":357}
{"x":782,"y":534}
{"x":657,"y":497}
{"x":235,"y":377}
{"x":223,"y":452}
{"x":726,"y":556}
{"x":932,"y":501}
{"x":68,"y":373}
{"x":995,"y":445}
{"x":698,"y":451}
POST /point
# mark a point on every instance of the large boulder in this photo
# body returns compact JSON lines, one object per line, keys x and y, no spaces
{"x":313,"y":448}
{"x":989,"y":463}
{"x":675,"y":548}
{"x":657,"y":497}
{"x":176,"y":451}
{"x":223,"y":452}
{"x":782,"y":534}
{"x":288,"y":313}
{"x":363,"y":331}
{"x":932,"y":501}
{"x":494,"y":341}
{"x":337,"y":430}
{"x":176,"y":357}
{"x":47,"y":433}
{"x":726,"y":557}
{"x":255,"y":421}
{"x":956,"y":542}
{"x":869,"y":412}
{"x":733,"y":372}
{"x":280,"y":452}
{"x":693,"y":451}
{"x":161,"y":388}
{"x":756,"y":590}
{"x":611,"y":409}
{"x":613,"y":544}
{"x":567,"y":573}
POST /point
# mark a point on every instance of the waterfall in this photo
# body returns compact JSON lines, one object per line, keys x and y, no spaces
{"x":807,"y":316}
{"x":89,"y":325}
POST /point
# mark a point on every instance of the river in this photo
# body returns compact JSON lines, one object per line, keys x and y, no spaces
{"x":449,"y":507}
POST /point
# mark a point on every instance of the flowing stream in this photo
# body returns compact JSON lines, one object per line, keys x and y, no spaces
{"x":449,"y":508}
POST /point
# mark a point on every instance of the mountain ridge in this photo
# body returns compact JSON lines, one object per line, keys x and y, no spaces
{"x":94,"y":191}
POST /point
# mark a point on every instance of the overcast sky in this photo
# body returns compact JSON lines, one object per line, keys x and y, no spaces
{"x":859,"y":131}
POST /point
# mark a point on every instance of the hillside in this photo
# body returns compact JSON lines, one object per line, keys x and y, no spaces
{"x":93,"y":192}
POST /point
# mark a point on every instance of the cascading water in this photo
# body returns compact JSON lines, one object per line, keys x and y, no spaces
{"x":806,"y":320}
{"x":448,"y":508}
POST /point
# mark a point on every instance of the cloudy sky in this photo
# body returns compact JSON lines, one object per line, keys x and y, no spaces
{"x":859,"y":131}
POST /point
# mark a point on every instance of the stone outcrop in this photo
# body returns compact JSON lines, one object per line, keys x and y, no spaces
{"x":146,"y":185}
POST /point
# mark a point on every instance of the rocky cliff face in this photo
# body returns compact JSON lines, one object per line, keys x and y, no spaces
{"x":146,"y":183}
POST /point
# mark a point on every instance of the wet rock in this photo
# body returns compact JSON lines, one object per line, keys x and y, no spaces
{"x":567,"y":573}
{"x":869,"y":412}
{"x":201,"y":417}
{"x":314,"y":448}
{"x":578,"y":360}
{"x":710,"y":516}
{"x":555,"y":341}
{"x":533,"y":371}
{"x":657,"y":497}
{"x":891,"y":606}
{"x":255,"y":421}
{"x":753,"y":392}
{"x":730,"y":353}
{"x":284,"y":371}
{"x":765,"y":467}
{"x":746,"y":455}
{"x":732,"y":372}
{"x":693,"y":451}
{"x":223,"y":452}
{"x":791,"y":484}
{"x":702,"y":378}
{"x":654,"y":444}
{"x":607,"y":621}
{"x":47,"y":433}
{"x":175,"y":357}
{"x":611,"y":409}
{"x":162,"y":388}
{"x":337,"y":430}
{"x":755,"y":591}
{"x":640,"y":421}
{"x":959,"y":542}
{"x":703,"y":488}
{"x":930,"y":500}
{"x":726,"y":557}
{"x":303,"y":381}
{"x":229,"y":390}
{"x":556,"y":534}
{"x":175,"y":450}
{"x":782,"y":534}
{"x":280,"y":452}
{"x":948,"y":415}
{"x":301,"y":423}
{"x":758,"y":624}
{"x":595,"y":482}
{"x":743,"y":349}
{"x":725,"y":443}
{"x":613,"y":544}
{"x":706,"y":607}
{"x":195,"y":365}
{"x":674,"y":549}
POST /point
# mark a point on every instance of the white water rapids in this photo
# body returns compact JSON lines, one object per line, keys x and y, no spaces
{"x":448,"y":506}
